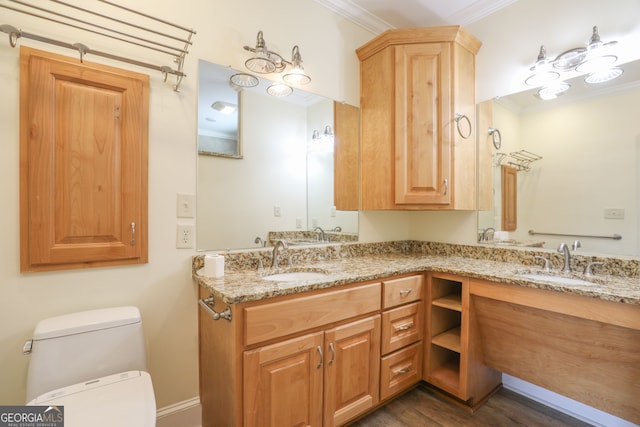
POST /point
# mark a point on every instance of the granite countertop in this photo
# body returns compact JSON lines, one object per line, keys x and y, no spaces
{"x":249,"y":285}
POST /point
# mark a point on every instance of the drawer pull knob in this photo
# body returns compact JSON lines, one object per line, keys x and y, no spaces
{"x":402,"y":370}
{"x":320,"y":353}
{"x":405,"y":292}
{"x":404,"y":327}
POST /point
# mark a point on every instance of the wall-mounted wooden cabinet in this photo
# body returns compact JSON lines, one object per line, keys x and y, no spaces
{"x":83,"y":163}
{"x":414,"y":153}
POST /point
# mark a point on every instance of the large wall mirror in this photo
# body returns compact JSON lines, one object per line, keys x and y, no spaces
{"x":265,"y":168}
{"x":586,"y":182}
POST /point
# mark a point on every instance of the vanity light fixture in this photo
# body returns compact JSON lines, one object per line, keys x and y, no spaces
{"x":242,"y":80}
{"x":279,"y":90}
{"x":327,"y":133}
{"x":594,"y":59}
{"x":265,"y":61}
{"x":553,"y":91}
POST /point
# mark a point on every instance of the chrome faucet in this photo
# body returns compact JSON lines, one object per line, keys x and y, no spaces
{"x":567,"y":257}
{"x":274,"y":258}
{"x":260,"y":241}
{"x":321,"y":232}
{"x":484,"y":238}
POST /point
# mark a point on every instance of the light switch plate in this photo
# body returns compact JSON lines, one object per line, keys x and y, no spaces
{"x":186,"y":206}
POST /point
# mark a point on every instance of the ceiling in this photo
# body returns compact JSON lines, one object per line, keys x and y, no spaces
{"x":380,"y":15}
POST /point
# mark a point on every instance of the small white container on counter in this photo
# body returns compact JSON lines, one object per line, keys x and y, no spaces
{"x":214,"y":265}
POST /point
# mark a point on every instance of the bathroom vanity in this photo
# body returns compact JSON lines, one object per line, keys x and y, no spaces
{"x":327,"y":350}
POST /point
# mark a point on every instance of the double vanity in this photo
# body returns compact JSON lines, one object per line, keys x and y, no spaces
{"x":350,"y":326}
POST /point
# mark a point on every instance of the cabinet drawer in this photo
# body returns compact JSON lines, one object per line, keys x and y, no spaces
{"x":278,"y":319}
{"x":400,"y":370}
{"x":401,"y":326}
{"x":402,"y":291}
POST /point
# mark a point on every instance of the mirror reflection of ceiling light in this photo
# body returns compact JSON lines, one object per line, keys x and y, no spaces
{"x":596,"y":60}
{"x":224,"y":107}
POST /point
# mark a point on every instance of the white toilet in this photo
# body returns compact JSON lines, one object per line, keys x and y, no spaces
{"x":93,"y":364}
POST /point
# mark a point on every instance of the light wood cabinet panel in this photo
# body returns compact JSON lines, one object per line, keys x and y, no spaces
{"x":402,"y":290}
{"x":277,"y":319}
{"x":413,"y":83}
{"x":83,"y":167}
{"x":400,"y":370}
{"x":283,"y":383}
{"x":509,"y":198}
{"x":401,"y":326}
{"x":352,"y":354}
{"x":346,"y":130}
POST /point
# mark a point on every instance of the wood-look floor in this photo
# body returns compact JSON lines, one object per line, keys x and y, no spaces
{"x":422,"y":407}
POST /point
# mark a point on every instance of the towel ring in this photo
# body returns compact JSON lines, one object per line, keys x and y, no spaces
{"x":459,"y":117}
{"x":497,"y":137}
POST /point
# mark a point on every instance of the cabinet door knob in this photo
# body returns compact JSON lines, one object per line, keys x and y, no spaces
{"x":320,"y":353}
{"x":333,"y":353}
{"x":405,"y":292}
{"x":133,"y":234}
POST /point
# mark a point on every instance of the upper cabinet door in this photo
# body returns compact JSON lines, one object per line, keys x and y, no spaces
{"x":84,"y":149}
{"x":417,"y":108}
{"x":422,"y":143}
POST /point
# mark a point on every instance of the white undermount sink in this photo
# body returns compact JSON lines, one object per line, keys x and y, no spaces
{"x":293,"y":276}
{"x":556,"y":279}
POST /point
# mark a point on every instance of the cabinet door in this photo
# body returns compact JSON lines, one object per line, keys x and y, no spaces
{"x":352,"y":371}
{"x":83,"y":183}
{"x":346,"y":130}
{"x":422,"y":141}
{"x":283,"y":383}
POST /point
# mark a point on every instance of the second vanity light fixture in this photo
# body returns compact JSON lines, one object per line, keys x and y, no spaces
{"x":596,"y":60}
{"x":265,"y":61}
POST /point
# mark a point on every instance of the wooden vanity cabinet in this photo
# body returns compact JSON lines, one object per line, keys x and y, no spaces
{"x":402,"y":333}
{"x":414,"y":153}
{"x":453,"y":357}
{"x":318,"y":358}
{"x":309,"y":359}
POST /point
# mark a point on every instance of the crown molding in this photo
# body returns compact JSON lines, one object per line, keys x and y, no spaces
{"x":357,"y":15}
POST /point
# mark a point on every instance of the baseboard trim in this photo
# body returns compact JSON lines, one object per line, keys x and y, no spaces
{"x":187,"y":413}
{"x":563,"y":404}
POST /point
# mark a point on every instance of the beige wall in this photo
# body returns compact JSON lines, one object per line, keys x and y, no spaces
{"x":163,"y":288}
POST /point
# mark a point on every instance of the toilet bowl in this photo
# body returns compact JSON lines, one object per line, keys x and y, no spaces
{"x":93,"y":364}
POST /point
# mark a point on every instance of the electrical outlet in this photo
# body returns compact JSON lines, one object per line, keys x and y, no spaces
{"x":614,"y":213}
{"x":186,"y":206}
{"x":185,"y":236}
{"x":276,"y":211}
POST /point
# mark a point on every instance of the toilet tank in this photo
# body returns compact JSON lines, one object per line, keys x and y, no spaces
{"x":82,"y":346}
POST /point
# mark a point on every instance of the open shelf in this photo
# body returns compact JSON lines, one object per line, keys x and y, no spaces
{"x":449,"y":339}
{"x":451,"y":301}
{"x":447,"y":375}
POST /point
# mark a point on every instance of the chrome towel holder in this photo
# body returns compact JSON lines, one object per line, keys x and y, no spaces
{"x":108,"y":25}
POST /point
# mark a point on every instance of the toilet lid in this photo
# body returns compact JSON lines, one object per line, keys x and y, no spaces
{"x":124,"y":399}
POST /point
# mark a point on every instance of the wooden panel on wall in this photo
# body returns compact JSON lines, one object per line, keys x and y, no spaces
{"x":83,"y":163}
{"x":346,"y":123}
{"x":509,"y":198}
